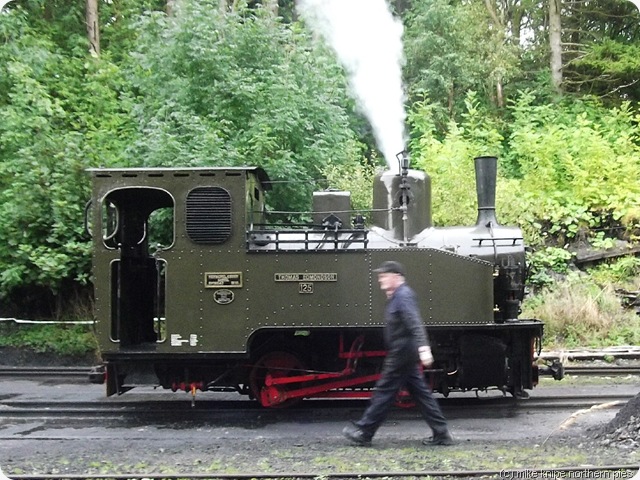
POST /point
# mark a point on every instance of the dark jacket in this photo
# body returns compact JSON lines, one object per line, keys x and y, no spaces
{"x":404,"y":331}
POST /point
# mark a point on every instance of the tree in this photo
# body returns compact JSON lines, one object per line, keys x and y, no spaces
{"x":453,"y":48}
{"x":555,"y":46}
{"x":601,"y":49}
{"x":240,"y":88}
{"x":58,"y":115}
{"x":93,"y":27}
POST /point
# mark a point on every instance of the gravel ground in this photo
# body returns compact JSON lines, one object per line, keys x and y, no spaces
{"x":307,"y":455}
{"x":282,"y":444}
{"x":624,"y":430}
{"x":278,"y":445}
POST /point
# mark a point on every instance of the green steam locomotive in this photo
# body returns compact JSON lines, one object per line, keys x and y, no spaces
{"x":195,"y":290}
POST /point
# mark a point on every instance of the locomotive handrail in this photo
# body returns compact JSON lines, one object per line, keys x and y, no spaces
{"x":496,"y":239}
{"x":325,"y":237}
{"x":326,"y":212}
{"x":87,"y":207}
{"x":317,"y":228}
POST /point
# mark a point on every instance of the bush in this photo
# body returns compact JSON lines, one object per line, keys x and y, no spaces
{"x":546,"y":263}
{"x":59,"y":339}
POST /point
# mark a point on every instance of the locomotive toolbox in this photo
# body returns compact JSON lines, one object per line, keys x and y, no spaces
{"x":195,"y":290}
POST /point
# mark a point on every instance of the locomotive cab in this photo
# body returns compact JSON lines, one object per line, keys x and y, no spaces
{"x":144,"y":222}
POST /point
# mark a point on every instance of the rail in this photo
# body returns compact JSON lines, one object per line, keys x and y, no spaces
{"x":620,"y":471}
{"x":308,"y":237}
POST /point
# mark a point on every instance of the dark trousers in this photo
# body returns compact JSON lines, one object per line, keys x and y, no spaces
{"x":394,"y":377}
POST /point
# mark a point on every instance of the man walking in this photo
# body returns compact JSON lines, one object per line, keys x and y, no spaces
{"x":407,"y":344}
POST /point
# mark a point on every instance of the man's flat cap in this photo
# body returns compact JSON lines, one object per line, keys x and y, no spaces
{"x":390,"y":267}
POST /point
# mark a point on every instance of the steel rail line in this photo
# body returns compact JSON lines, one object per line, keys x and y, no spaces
{"x":32,"y":371}
{"x":627,"y":352}
{"x":55,"y":371}
{"x":621,"y":471}
{"x":603,"y":370}
{"x":205,"y":409}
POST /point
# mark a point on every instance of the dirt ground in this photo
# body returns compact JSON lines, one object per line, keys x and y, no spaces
{"x":285,"y":443}
{"x":286,"y":457}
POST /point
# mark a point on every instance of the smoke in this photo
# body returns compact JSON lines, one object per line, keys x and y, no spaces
{"x":2,"y":4}
{"x":368,"y":42}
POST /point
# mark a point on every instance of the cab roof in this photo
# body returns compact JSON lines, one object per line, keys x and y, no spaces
{"x":260,"y":173}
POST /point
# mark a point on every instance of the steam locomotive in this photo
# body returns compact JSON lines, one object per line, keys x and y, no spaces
{"x":194,"y":290}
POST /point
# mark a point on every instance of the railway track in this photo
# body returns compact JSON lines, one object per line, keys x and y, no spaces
{"x":606,"y":371}
{"x":83,"y":371}
{"x":207,"y":410}
{"x":621,"y":471}
{"x":204,"y":407}
{"x":130,"y":412}
{"x":35,"y":372}
{"x":583,"y":354}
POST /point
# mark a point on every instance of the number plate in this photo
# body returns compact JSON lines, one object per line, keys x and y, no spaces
{"x":305,"y":287}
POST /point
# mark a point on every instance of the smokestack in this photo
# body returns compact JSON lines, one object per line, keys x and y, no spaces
{"x":486,"y":173}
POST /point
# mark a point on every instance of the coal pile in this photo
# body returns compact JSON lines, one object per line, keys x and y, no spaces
{"x":624,"y":430}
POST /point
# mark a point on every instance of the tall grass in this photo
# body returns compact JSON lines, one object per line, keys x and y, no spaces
{"x":580,"y":312}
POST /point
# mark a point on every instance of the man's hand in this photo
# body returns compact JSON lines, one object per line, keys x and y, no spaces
{"x":426,"y":358}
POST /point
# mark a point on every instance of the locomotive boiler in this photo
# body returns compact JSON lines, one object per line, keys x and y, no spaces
{"x":195,"y":290}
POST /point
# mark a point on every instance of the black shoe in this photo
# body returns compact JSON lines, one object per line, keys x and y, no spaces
{"x":440,"y":439}
{"x":353,"y":433}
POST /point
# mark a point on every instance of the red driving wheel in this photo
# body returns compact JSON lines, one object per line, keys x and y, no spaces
{"x":275,"y":364}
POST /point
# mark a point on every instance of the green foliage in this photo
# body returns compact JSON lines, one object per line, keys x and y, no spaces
{"x":240,"y":89}
{"x":57,"y":339}
{"x":449,"y":161}
{"x":200,"y":90}
{"x":207,"y":88}
{"x":118,"y":20}
{"x":612,"y":58}
{"x":607,"y":62}
{"x":545,"y":262}
{"x":453,"y":48}
{"x":564,"y":170}
{"x":354,"y":178}
{"x":58,"y":115}
{"x":576,"y":163}
{"x":622,"y":272}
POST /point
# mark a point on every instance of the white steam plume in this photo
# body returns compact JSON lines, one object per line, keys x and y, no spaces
{"x":2,"y":4}
{"x":368,"y":42}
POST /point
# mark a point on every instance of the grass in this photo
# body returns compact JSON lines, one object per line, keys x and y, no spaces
{"x":65,"y":340}
{"x":580,"y":311}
